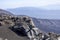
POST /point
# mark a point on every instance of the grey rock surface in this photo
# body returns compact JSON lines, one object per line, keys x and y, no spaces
{"x":6,"y":33}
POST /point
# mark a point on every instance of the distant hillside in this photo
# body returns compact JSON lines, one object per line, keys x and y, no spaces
{"x":36,"y":12}
{"x":48,"y":25}
{"x":4,"y":12}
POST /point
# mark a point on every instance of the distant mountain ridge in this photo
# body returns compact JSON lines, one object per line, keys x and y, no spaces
{"x":4,"y":12}
{"x":36,"y":12}
{"x":48,"y":25}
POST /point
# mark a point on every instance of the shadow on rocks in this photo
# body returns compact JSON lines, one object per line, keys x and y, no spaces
{"x":19,"y":32}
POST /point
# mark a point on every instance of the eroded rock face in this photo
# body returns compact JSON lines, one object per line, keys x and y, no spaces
{"x":21,"y":24}
{"x":7,"y":21}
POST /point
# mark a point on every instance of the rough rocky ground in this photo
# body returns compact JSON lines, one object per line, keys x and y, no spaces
{"x":6,"y":33}
{"x":7,"y":21}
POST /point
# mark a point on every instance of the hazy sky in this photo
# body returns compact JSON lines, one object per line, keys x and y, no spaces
{"x":49,"y":4}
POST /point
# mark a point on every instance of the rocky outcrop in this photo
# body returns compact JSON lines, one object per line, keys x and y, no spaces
{"x":14,"y":27}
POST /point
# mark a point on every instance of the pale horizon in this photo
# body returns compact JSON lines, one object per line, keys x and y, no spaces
{"x":46,"y":4}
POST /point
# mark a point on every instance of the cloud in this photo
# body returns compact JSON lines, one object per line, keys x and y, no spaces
{"x":28,"y":3}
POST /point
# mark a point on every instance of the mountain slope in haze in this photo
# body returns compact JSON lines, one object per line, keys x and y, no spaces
{"x":36,"y":12}
{"x":48,"y":25}
{"x":4,"y":12}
